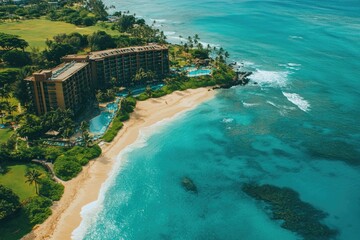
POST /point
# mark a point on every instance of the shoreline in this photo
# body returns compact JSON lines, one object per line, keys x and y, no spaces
{"x":66,"y":212}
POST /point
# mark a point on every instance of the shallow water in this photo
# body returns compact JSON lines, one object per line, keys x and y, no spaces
{"x":297,"y":127}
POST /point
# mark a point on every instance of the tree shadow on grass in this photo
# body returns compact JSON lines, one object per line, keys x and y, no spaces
{"x":15,"y":227}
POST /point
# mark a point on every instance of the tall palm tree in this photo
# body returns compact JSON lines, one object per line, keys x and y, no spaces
{"x":87,"y":140}
{"x":2,"y":111}
{"x":148,"y":91}
{"x":67,"y":126}
{"x":126,"y":106}
{"x":226,"y":55}
{"x":196,"y":38}
{"x":10,"y":108}
{"x":5,"y":91}
{"x":84,"y":128}
{"x":33,"y":176}
{"x":129,"y":93}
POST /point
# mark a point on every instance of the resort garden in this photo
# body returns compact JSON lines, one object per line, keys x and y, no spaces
{"x":38,"y":153}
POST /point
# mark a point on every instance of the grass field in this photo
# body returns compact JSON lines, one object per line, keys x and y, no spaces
{"x":15,"y":179}
{"x":18,"y":225}
{"x":36,"y":31}
{"x":5,"y":134}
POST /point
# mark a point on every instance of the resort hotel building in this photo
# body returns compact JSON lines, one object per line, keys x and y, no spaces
{"x":73,"y":83}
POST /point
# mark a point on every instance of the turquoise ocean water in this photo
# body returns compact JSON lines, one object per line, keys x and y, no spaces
{"x":298,"y":127}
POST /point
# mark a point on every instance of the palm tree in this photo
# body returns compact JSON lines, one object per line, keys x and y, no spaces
{"x":150,"y":75}
{"x":186,"y":47}
{"x":2,"y":109}
{"x":196,"y":38}
{"x":33,"y":176}
{"x":5,"y":91}
{"x":67,"y":126}
{"x":148,"y":91}
{"x":226,"y":55}
{"x":220,"y":52}
{"x":10,"y":108}
{"x":190,"y":41}
{"x":84,"y":127}
{"x":129,"y":93}
{"x":66,"y":132}
{"x":140,"y":75}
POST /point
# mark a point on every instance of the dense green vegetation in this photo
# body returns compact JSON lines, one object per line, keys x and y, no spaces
{"x":51,"y":189}
{"x":38,"y":209}
{"x":111,"y":133}
{"x":123,"y":114}
{"x":16,"y":226}
{"x":69,"y":164}
{"x":106,"y":95}
{"x":9,"y":202}
{"x":221,"y":75}
{"x":23,"y":180}
{"x":5,"y":134}
{"x":14,"y":177}
{"x":36,"y":31}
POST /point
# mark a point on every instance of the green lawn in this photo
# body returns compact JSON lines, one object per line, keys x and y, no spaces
{"x":18,"y":225}
{"x":15,"y":179}
{"x":5,"y":134}
{"x":36,"y":31}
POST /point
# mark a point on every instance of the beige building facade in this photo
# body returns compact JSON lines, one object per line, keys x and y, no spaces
{"x":71,"y":84}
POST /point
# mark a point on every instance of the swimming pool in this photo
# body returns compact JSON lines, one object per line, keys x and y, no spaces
{"x":113,"y":106}
{"x":139,"y":90}
{"x":199,"y":72}
{"x":100,"y":123}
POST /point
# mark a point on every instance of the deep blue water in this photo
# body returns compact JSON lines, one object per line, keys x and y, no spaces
{"x":297,"y":128}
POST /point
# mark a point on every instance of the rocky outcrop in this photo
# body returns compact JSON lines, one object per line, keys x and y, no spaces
{"x":296,"y":215}
{"x":240,"y":79}
{"x":189,"y":185}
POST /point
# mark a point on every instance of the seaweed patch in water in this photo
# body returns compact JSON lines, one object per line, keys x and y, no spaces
{"x":297,"y":216}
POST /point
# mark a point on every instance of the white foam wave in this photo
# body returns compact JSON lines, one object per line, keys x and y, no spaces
{"x":273,"y":104}
{"x":292,"y":66}
{"x":296,"y":37}
{"x":245,"y":64}
{"x":90,"y":211}
{"x":298,"y":100}
{"x":283,"y":109}
{"x":227,"y":120}
{"x":86,"y":214}
{"x":169,"y":33}
{"x":205,"y":44}
{"x":269,"y":78}
{"x":248,"y":105}
{"x":158,"y":20}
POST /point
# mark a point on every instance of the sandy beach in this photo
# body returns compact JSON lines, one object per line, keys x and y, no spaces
{"x":85,"y":188}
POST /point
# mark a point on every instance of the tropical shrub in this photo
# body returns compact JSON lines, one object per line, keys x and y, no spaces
{"x":51,"y":189}
{"x":66,"y":169}
{"x":16,"y":58}
{"x":113,"y":130}
{"x":37,"y":209}
{"x":69,"y":164}
{"x":9,"y":202}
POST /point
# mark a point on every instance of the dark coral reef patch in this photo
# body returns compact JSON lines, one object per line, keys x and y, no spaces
{"x":298,"y":216}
